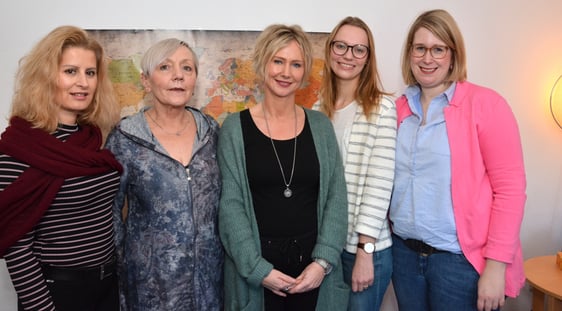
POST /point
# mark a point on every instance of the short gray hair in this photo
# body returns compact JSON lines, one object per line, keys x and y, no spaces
{"x":162,"y":49}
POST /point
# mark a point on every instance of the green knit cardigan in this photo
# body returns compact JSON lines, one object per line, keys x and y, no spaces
{"x":245,"y":268}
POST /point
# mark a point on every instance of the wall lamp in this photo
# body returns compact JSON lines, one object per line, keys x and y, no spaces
{"x":556,"y":102}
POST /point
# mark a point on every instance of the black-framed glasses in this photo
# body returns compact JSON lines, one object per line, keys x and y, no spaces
{"x":436,"y":51}
{"x":358,"y":50}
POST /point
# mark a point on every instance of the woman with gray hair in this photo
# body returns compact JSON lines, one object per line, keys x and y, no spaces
{"x":168,"y":250}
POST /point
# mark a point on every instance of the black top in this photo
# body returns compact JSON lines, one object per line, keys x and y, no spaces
{"x":276,"y":215}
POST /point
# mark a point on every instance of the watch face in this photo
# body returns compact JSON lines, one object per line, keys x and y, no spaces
{"x":369,"y":247}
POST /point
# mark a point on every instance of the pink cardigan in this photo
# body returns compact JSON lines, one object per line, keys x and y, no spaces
{"x":488,"y":178}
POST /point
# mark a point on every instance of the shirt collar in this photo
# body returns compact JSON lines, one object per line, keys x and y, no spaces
{"x":413,"y":91}
{"x":450,"y":91}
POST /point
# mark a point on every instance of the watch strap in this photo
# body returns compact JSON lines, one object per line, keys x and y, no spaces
{"x":324,"y":264}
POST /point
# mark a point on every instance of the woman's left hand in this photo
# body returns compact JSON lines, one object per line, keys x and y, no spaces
{"x":491,"y":286}
{"x":309,"y":279}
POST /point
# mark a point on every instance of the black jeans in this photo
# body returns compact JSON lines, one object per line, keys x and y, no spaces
{"x":84,"y":295}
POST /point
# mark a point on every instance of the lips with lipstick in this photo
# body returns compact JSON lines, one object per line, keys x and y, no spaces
{"x":79,"y":95}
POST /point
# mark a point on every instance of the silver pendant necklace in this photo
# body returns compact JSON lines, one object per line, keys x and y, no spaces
{"x":287,"y":192}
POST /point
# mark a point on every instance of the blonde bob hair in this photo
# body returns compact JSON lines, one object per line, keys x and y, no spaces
{"x":274,"y":38}
{"x":441,"y":24}
{"x":37,"y":78}
{"x":369,"y":91}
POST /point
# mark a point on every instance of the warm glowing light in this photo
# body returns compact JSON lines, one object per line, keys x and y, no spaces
{"x":556,"y":101}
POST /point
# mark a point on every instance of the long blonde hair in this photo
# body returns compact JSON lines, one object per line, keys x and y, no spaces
{"x":369,"y":92}
{"x":37,"y":76}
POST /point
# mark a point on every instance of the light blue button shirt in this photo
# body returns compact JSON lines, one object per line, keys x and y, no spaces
{"x":421,"y":207}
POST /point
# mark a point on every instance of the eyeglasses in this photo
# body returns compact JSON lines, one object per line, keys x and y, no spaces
{"x":358,"y":50}
{"x":436,"y":51}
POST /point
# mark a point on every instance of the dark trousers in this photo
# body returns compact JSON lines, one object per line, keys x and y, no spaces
{"x":301,"y":302}
{"x":290,"y":256}
{"x":84,"y":295}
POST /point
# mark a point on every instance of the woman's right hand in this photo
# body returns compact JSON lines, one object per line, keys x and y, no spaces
{"x":278,"y":282}
{"x":363,"y":273}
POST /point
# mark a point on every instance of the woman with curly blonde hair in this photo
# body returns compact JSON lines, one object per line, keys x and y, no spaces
{"x":56,"y":225}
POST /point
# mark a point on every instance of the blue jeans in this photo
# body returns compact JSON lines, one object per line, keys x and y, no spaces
{"x":371,"y":298}
{"x":441,"y":281}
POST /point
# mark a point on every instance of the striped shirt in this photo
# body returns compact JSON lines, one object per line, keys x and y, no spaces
{"x":369,"y":174}
{"x":75,"y":232}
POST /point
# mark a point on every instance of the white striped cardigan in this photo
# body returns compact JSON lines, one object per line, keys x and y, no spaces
{"x":369,"y":174}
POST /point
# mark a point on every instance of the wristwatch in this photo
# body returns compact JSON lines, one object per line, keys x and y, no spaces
{"x":368,"y":247}
{"x":324,"y":264}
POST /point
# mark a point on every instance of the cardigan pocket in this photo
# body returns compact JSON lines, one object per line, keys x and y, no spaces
{"x":334,"y":292}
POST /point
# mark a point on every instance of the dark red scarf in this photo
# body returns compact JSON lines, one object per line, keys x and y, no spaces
{"x":51,"y":161}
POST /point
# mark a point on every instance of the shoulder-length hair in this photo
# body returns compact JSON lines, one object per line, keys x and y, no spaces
{"x":37,"y":77}
{"x":369,"y":90}
{"x":274,"y":38}
{"x":441,"y":24}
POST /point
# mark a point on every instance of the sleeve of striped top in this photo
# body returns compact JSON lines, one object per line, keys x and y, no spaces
{"x":380,"y":176}
{"x":26,"y":275}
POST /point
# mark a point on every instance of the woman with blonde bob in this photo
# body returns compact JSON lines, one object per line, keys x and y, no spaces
{"x":459,"y":190}
{"x":283,"y":205}
{"x":56,"y":223}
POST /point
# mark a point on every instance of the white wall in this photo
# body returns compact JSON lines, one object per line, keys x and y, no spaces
{"x":514,"y":47}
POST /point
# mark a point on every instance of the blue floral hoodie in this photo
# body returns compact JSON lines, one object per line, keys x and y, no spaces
{"x":168,"y":250}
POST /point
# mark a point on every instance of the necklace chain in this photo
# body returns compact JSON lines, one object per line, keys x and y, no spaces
{"x":287,"y":192}
{"x":178,"y":133}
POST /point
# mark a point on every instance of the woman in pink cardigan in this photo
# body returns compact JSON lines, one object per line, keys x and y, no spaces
{"x":459,"y":192}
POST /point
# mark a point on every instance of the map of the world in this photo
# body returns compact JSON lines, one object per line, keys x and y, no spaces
{"x":225,"y":83}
